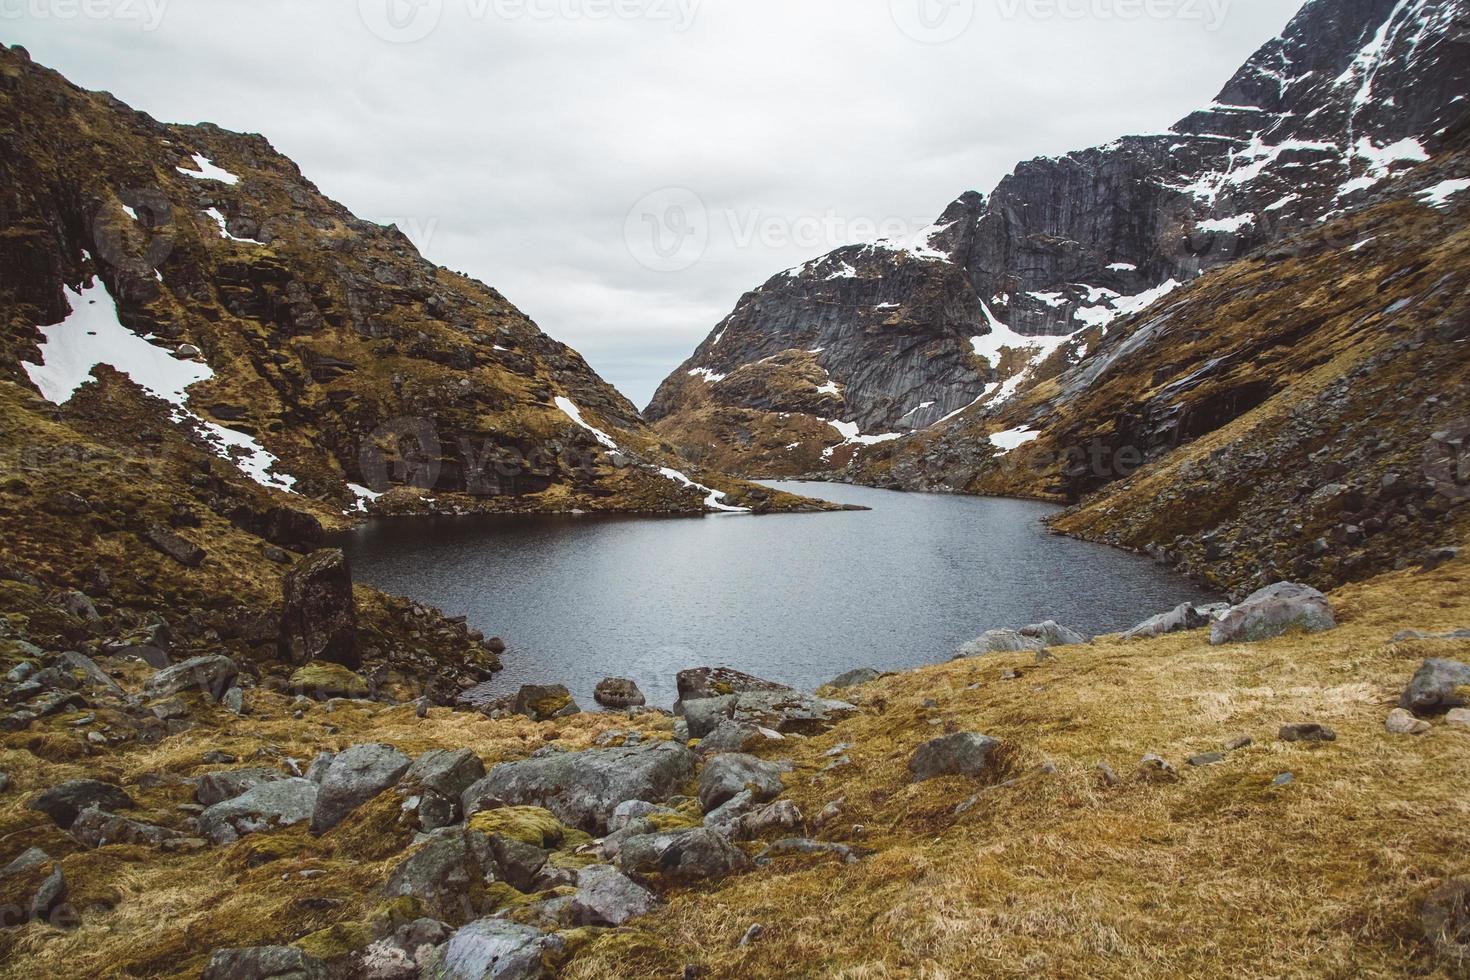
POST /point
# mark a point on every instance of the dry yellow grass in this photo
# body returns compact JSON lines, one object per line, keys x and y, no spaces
{"x":1214,"y":873}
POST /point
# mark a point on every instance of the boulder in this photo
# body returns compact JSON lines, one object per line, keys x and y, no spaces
{"x":1274,"y":611}
{"x":436,"y":781}
{"x":1458,"y":718}
{"x":584,"y":788}
{"x":494,"y":949}
{"x":214,"y":675}
{"x":1033,"y":638}
{"x":855,"y":678}
{"x":1307,"y":732}
{"x":267,"y":806}
{"x":714,"y":682}
{"x":699,"y":854}
{"x":1181,"y":618}
{"x":962,"y":754}
{"x":728,"y":774}
{"x":703,"y":715}
{"x":789,"y":712}
{"x":1403,"y":722}
{"x":264,"y":963}
{"x":217,"y":787}
{"x":324,"y":681}
{"x":630,"y":810}
{"x":618,"y":693}
{"x":356,"y":775}
{"x":96,"y":828}
{"x":544,"y":702}
{"x":32,"y":887}
{"x":607,"y":897}
{"x":63,"y":803}
{"x":729,"y":736}
{"x":181,"y":550}
{"x":1435,"y":688}
{"x":781,"y":816}
{"x":445,"y":875}
{"x":319,"y":614}
{"x":518,"y":862}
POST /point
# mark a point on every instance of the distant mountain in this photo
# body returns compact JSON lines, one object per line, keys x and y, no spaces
{"x":1002,"y":292}
{"x":319,"y":352}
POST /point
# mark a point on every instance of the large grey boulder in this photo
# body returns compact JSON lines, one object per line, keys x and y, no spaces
{"x":607,"y":897}
{"x":494,"y":949}
{"x":264,"y":963}
{"x":701,"y":683}
{"x":445,"y":875}
{"x":1183,"y":617}
{"x":64,"y":802}
{"x":356,"y":775}
{"x":1433,"y":688}
{"x":1032,"y":638}
{"x":785,"y":712}
{"x":214,"y":675}
{"x":962,"y":754}
{"x":855,"y":678}
{"x":729,"y":736}
{"x":268,"y":806}
{"x":544,"y":702}
{"x":216,"y":787}
{"x":584,"y":788}
{"x":618,"y":693}
{"x":726,"y":775}
{"x":703,"y":715}
{"x":433,"y":785}
{"x":1272,"y":612}
{"x":318,"y":612}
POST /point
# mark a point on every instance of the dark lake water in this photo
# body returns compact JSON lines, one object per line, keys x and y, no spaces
{"x":795,"y":598}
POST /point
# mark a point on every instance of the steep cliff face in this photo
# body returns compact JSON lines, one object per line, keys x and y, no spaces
{"x":1005,"y":291}
{"x":319,"y":352}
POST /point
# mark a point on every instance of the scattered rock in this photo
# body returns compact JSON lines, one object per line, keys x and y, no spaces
{"x":233,"y":701}
{"x":618,"y":693}
{"x":1108,"y":775}
{"x":264,"y":963}
{"x":728,"y":774}
{"x":95,"y":828}
{"x":1459,"y":718}
{"x":181,"y":550}
{"x":755,"y":931}
{"x":1435,"y":688}
{"x":213,"y":675}
{"x":1285,"y":779}
{"x":1239,"y":742}
{"x":268,"y":806}
{"x":544,"y":702}
{"x":494,"y":949}
{"x":1155,"y":767}
{"x":781,"y":816}
{"x":1181,"y":618}
{"x":729,"y":736}
{"x":32,"y":888}
{"x":1207,"y":759}
{"x":444,"y":874}
{"x":699,"y":854}
{"x":1034,"y":638}
{"x":1274,"y":611}
{"x":855,"y":678}
{"x":628,"y":811}
{"x":65,"y":802}
{"x":437,"y":779}
{"x":1307,"y":732}
{"x":1451,"y":636}
{"x":324,"y":681}
{"x":702,"y":683}
{"x":217,"y":787}
{"x":962,"y":754}
{"x":800,"y":845}
{"x":607,"y":897}
{"x":1403,"y":722}
{"x":356,"y":776}
{"x":584,"y":788}
{"x":319,"y":614}
{"x":788,"y":712}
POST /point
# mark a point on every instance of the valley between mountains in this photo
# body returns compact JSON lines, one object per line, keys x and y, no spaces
{"x":1241,"y":348}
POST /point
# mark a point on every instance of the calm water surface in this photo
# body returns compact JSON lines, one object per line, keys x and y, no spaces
{"x":797,"y":598}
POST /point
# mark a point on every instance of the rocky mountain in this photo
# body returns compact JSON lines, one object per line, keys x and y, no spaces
{"x":1003,"y":292}
{"x":319,"y":352}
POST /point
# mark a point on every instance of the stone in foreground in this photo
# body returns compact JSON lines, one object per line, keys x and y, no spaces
{"x":727,"y":775}
{"x":962,"y":754}
{"x":584,"y":788}
{"x":1435,"y":688}
{"x":319,"y":614}
{"x":618,"y":693}
{"x":1027,"y":639}
{"x":356,"y":776}
{"x":264,"y":963}
{"x":65,"y":802}
{"x":1275,"y":611}
{"x":494,"y":949}
{"x":268,"y":806}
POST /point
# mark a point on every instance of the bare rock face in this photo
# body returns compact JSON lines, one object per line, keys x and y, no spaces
{"x":319,"y":614}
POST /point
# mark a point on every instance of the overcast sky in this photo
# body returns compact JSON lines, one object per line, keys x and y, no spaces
{"x":541,"y":145}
